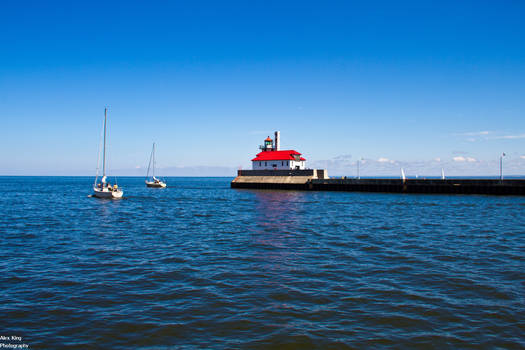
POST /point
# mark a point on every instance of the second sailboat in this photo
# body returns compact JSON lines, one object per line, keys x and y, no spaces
{"x":153,"y":181}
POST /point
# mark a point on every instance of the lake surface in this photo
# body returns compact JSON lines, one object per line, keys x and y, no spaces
{"x":200,"y":265}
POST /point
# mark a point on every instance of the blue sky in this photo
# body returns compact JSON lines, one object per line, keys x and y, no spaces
{"x":422,"y":85}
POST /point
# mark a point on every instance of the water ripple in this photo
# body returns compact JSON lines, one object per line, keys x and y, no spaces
{"x":200,"y":265}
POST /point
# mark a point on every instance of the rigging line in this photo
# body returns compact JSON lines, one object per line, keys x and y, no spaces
{"x":99,"y":149}
{"x":153,"y":159}
{"x":108,"y":164}
{"x":108,"y":167}
{"x":149,"y":164}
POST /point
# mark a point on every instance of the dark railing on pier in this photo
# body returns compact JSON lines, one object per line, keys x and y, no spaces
{"x":461,"y":186}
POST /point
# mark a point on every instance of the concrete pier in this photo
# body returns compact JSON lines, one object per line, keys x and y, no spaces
{"x":313,"y":182}
{"x":277,"y":179}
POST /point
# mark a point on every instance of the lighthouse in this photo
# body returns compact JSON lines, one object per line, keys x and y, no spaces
{"x":272,"y":157}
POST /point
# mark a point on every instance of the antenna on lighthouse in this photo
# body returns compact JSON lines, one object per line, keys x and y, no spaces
{"x":277,"y":141}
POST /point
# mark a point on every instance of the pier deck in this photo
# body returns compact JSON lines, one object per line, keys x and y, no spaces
{"x":283,"y":181}
{"x":453,"y":186}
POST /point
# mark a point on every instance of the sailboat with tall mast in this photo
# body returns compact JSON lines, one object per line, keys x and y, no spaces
{"x":104,"y":189}
{"x":153,"y":181}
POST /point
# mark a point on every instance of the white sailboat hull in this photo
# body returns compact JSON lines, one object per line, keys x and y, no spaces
{"x":105,"y":193}
{"x":153,"y":184}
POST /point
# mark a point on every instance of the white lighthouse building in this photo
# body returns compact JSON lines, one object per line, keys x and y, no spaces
{"x":272,"y":157}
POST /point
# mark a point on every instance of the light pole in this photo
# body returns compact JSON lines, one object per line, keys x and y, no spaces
{"x":501,"y":166}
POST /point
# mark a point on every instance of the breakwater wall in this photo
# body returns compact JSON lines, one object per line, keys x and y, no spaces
{"x":277,"y":179}
{"x":446,"y":186}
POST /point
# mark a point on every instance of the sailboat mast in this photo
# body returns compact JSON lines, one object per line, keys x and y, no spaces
{"x":153,"y":159}
{"x":104,"y":152}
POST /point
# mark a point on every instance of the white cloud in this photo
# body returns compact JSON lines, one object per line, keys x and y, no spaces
{"x":385,"y":160}
{"x":457,"y":164}
{"x":343,"y":157}
{"x":474,"y":136}
{"x":475,"y":133}
{"x":464,"y":159}
{"x":510,"y":137}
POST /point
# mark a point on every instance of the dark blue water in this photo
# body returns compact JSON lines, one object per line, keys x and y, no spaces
{"x":200,"y":265}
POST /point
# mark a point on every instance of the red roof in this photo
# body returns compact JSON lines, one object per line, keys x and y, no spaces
{"x":277,"y":155}
{"x":268,"y":139}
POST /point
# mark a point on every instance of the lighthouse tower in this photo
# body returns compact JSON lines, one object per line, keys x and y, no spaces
{"x":267,"y":146}
{"x":273,"y":158}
